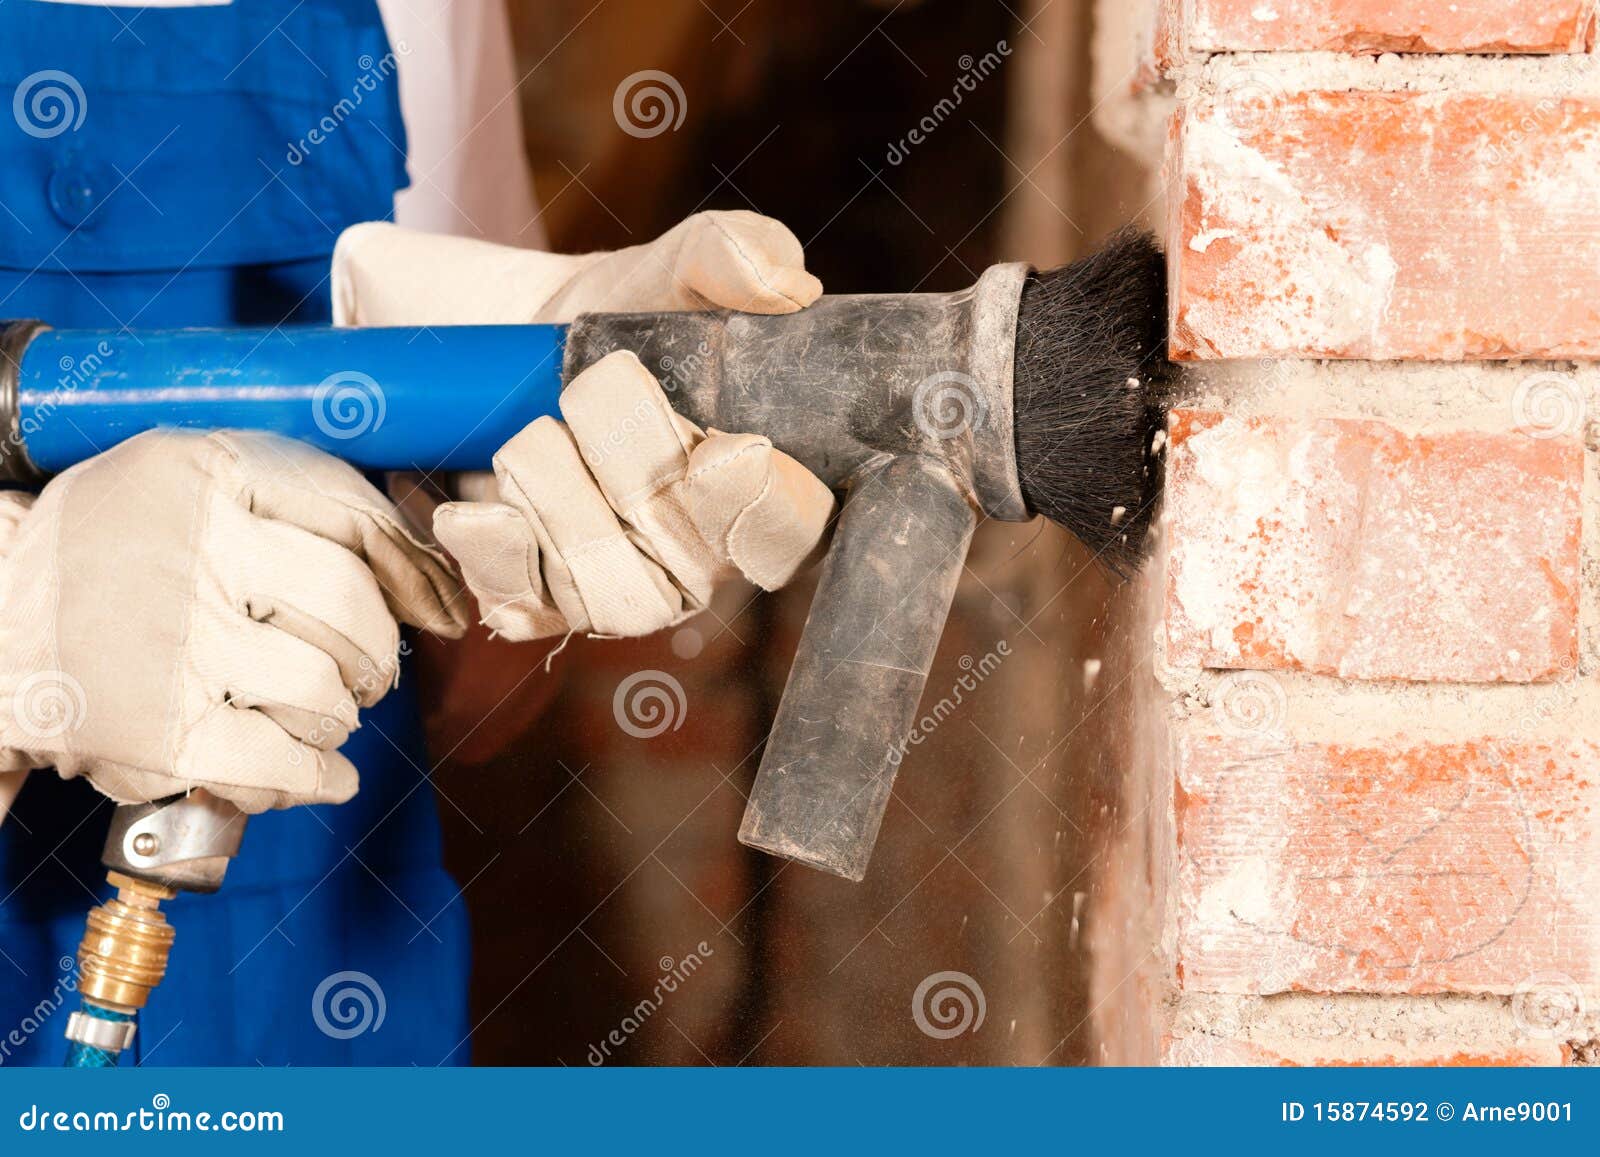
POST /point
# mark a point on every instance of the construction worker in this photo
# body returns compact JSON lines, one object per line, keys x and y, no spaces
{"x":205,"y":611}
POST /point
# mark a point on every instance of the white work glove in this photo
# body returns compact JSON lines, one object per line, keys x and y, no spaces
{"x":206,"y":610}
{"x":14,"y":508}
{"x":621,"y":521}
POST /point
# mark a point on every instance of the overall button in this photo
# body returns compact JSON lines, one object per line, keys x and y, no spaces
{"x":76,"y":190}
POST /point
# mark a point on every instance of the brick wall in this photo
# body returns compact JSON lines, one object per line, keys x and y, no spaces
{"x":1364,"y":826}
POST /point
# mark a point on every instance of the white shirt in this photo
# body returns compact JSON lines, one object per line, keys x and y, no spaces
{"x":458,"y":93}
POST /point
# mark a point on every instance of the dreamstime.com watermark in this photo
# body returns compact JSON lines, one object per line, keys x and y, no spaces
{"x":24,"y":1030}
{"x":648,"y":103}
{"x":348,"y":1004}
{"x":159,"y":1117}
{"x":672,"y":373}
{"x":373,"y":74}
{"x":674,"y":973}
{"x":48,"y":103}
{"x":1556,"y":696}
{"x":375,"y":679}
{"x":675,"y":372}
{"x":1249,"y":100}
{"x":649,"y":703}
{"x":1543,"y":118}
{"x":348,"y":404}
{"x":976,"y":671}
{"x":1549,"y":405}
{"x":47,"y":705}
{"x":597,"y":453}
{"x":973,"y":73}
{"x":1549,"y":1006}
{"x":74,"y":373}
{"x":948,"y":404}
{"x":1249,"y":705}
{"x":947,"y":1004}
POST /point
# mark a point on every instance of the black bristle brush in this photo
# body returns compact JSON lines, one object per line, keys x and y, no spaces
{"x":1089,"y":392}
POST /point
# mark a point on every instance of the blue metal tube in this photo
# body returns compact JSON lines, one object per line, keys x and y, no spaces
{"x":438,"y":398}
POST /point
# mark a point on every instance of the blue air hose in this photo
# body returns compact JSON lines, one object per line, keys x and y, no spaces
{"x":440,"y":398}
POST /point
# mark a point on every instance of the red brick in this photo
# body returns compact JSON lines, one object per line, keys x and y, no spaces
{"x":1545,"y":26}
{"x":1166,"y":47}
{"x":1350,"y":548}
{"x":1468,"y":867}
{"x":1436,"y":225}
{"x":1213,"y":1051}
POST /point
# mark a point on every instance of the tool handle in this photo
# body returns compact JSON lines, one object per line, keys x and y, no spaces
{"x":848,"y":713}
{"x":436,"y":398}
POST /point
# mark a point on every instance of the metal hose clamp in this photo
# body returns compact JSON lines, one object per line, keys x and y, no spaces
{"x":100,"y":1032}
{"x":15,"y":465}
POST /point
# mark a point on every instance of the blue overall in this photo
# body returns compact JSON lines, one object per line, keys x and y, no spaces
{"x":193,"y":166}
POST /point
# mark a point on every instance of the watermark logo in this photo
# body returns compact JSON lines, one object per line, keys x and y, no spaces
{"x":1249,"y":101}
{"x":1249,"y":705}
{"x":674,"y":974}
{"x":48,"y":103}
{"x":373,"y":74}
{"x":973,"y":72}
{"x":1548,"y":1006}
{"x":374,"y":680}
{"x":649,"y":703}
{"x":1559,"y":79}
{"x":74,"y":373}
{"x":948,"y":404}
{"x":348,"y":1004}
{"x":1548,"y":405}
{"x":948,"y":1004}
{"x":596,"y":453}
{"x":1559,"y":695}
{"x":692,"y":367}
{"x":974,"y":672}
{"x":348,"y":404}
{"x":649,"y":103}
{"x":37,"y":1017}
{"x":160,"y":1117}
{"x":49,"y":704}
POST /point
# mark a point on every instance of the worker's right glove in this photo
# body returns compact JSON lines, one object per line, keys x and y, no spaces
{"x":623,"y":518}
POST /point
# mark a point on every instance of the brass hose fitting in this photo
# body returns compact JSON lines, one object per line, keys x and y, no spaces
{"x":123,"y":955}
{"x":154,"y":851}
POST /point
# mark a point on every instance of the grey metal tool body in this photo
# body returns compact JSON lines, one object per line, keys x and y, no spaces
{"x":904,"y":403}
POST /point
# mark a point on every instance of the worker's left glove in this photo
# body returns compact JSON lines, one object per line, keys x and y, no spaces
{"x":207,"y":610}
{"x":623,"y":519}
